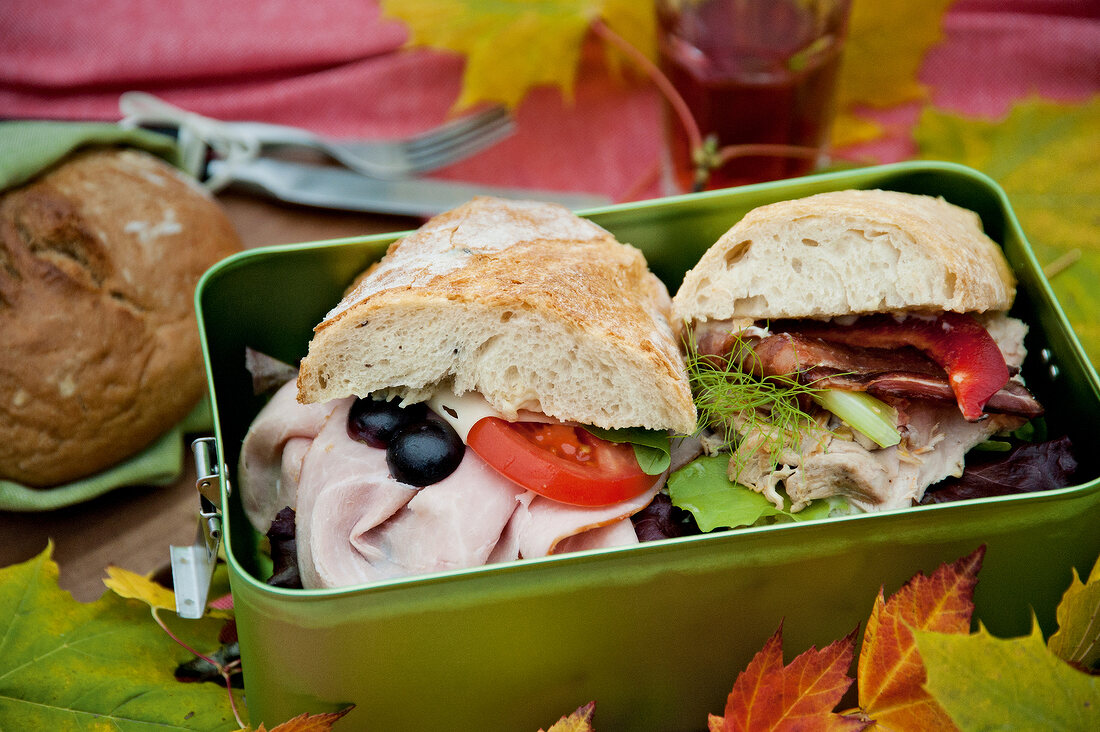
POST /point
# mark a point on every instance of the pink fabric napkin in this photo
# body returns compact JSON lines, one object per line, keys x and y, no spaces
{"x":336,"y":67}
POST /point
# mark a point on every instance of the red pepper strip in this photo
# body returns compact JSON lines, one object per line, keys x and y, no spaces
{"x":974,"y":364}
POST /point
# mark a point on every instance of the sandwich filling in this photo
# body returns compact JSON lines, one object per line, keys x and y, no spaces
{"x":382,"y":490}
{"x":943,"y":384}
{"x":853,"y":345}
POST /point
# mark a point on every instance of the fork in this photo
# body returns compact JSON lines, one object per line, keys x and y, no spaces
{"x":384,"y":159}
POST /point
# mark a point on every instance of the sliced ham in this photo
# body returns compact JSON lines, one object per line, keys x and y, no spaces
{"x":357,"y":524}
{"x":541,"y":526}
{"x":617,"y":533}
{"x":272,"y":452}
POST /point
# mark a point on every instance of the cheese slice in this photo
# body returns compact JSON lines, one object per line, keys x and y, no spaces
{"x":463,"y":411}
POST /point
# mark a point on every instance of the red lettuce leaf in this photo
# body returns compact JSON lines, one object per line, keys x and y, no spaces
{"x":1028,"y":468}
{"x":284,"y":551}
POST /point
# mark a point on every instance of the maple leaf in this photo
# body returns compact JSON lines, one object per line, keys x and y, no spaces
{"x":541,"y":41}
{"x":1046,"y":158}
{"x":988,"y":683}
{"x":125,"y":583}
{"x":322,"y":722}
{"x":890,"y":673}
{"x":579,"y":721}
{"x":882,"y":56}
{"x":70,"y":665}
{"x":1077,"y":640}
{"x":802,"y":695}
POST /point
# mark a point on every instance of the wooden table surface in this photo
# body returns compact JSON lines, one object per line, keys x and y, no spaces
{"x":133,"y":527}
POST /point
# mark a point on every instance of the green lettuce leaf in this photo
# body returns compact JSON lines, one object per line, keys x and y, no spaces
{"x":704,"y":488}
{"x":652,"y":448}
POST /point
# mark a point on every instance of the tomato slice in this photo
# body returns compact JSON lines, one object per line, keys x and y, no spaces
{"x":567,"y":464}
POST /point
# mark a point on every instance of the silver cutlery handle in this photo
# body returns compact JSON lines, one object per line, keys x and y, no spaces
{"x":265,"y":133}
{"x":337,"y":188}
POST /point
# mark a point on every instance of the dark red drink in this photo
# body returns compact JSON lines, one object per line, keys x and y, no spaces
{"x":752,"y":72}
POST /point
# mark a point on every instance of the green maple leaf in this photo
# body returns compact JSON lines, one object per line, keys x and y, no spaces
{"x":512,"y":46}
{"x":989,"y":683}
{"x":66,"y":665}
{"x":1077,"y":639}
{"x":1046,"y":157}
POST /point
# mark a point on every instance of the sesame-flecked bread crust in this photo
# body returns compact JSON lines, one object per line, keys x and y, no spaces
{"x":523,"y":302}
{"x":848,"y":252}
{"x":99,"y":258}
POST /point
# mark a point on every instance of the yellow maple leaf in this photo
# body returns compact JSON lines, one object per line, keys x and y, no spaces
{"x":131,"y":585}
{"x":635,"y":23}
{"x":513,"y":46}
{"x":887,"y":41}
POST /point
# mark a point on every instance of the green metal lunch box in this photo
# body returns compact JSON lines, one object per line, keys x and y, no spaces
{"x":655,"y":633}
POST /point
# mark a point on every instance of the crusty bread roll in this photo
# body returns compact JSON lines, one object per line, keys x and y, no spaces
{"x":848,"y":252}
{"x":522,"y":302}
{"x":99,"y":258}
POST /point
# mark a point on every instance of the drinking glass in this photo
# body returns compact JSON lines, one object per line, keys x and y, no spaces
{"x":759,"y":73}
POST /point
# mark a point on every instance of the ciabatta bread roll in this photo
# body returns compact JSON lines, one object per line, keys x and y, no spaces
{"x":847,"y":253}
{"x":522,"y":302}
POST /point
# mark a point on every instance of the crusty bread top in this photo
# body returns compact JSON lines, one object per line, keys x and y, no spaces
{"x":522,"y":302}
{"x":848,"y":252}
{"x":99,"y":258}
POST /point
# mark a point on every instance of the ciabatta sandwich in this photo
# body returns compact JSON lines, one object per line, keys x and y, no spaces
{"x":466,"y":401}
{"x":881,"y":316}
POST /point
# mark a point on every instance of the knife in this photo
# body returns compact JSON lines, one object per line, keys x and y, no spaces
{"x":324,"y":186}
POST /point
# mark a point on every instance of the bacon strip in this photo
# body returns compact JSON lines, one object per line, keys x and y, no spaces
{"x":892,"y":373}
{"x":975,"y":366}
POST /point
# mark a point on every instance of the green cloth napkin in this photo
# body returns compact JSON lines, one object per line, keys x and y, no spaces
{"x":27,"y":149}
{"x":159,"y":464}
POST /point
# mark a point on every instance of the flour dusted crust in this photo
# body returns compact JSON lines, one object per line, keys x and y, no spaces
{"x":523,"y":302}
{"x":99,"y":259}
{"x":848,"y":252}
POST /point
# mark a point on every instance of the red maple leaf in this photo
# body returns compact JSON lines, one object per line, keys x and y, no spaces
{"x":322,"y":722}
{"x":891,"y":672}
{"x":770,"y":696}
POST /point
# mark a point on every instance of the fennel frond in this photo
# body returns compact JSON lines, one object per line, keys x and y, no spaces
{"x":737,"y":404}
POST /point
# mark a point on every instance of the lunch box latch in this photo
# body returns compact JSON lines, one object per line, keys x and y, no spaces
{"x":193,"y":566}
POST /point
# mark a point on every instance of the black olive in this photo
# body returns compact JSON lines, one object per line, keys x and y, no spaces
{"x":424,"y":453}
{"x":375,"y":422}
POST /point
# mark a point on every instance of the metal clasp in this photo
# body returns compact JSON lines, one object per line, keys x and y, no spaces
{"x":193,"y":566}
